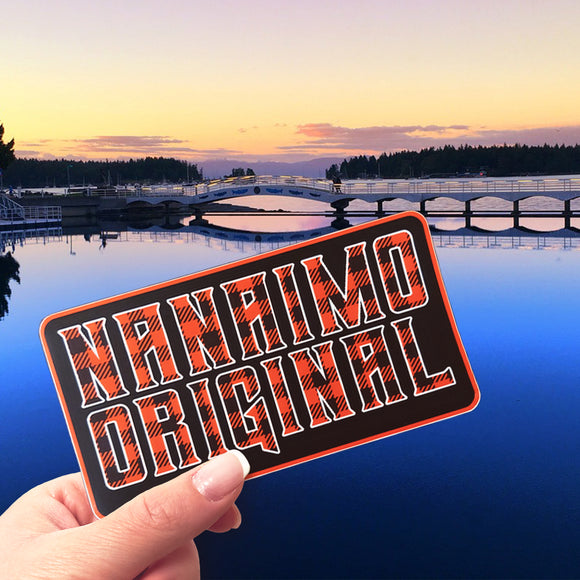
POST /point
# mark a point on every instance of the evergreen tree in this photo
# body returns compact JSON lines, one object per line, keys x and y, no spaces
{"x":9,"y":270}
{"x":466,"y":160}
{"x":333,"y":172}
{"x":239,"y":172}
{"x":54,"y":173}
{"x":6,"y":150}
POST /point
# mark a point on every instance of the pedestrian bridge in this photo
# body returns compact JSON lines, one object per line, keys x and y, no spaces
{"x":376,"y":191}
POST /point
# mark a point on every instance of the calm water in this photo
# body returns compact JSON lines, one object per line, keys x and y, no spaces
{"x":493,"y":493}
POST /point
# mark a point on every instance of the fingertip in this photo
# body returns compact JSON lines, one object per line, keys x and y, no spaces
{"x":231,"y":520}
{"x":148,"y":527}
{"x":243,"y":461}
{"x":221,"y":475}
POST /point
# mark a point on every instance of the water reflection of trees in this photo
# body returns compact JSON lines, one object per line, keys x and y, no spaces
{"x":9,"y":270}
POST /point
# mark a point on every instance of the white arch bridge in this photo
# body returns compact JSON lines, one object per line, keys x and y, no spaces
{"x":379,"y":191}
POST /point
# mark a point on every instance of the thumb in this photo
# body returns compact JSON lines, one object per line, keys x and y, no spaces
{"x":162,"y":519}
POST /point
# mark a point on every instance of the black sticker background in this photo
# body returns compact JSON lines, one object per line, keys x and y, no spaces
{"x":433,"y":325}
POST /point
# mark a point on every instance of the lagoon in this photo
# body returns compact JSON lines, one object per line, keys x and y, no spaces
{"x":493,"y":493}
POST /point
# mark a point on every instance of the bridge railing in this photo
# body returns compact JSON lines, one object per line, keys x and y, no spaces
{"x":13,"y":212}
{"x":220,"y":184}
{"x":263,"y":180}
{"x":387,"y":187}
{"x":486,"y":187}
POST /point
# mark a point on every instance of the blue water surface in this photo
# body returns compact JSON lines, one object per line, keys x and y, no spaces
{"x":490,"y":494}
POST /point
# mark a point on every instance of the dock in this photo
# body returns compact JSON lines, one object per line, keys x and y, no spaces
{"x":16,"y":216}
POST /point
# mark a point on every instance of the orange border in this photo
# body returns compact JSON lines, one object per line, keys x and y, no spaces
{"x":230,"y":265}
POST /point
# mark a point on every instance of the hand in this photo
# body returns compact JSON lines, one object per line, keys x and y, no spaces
{"x":51,"y":532}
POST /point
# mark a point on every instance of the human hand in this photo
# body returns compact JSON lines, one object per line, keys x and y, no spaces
{"x":51,"y":531}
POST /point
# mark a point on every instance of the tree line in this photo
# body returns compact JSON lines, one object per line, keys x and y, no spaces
{"x":447,"y":161}
{"x":240,"y":172}
{"x":28,"y":173}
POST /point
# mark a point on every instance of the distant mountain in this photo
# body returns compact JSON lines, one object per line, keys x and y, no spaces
{"x":213,"y":168}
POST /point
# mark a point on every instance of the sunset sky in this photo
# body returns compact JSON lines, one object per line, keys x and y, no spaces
{"x":285,"y":80}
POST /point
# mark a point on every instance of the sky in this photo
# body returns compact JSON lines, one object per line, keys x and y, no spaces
{"x":285,"y":80}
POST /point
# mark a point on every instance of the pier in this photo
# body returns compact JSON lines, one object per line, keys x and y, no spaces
{"x":13,"y":215}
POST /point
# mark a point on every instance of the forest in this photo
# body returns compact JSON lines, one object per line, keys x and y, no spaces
{"x":33,"y":173}
{"x":466,"y":160}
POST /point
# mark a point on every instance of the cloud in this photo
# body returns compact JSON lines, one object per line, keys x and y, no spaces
{"x":311,"y":140}
{"x":125,"y":146}
{"x":32,"y":154}
{"x":246,"y":129}
{"x":140,"y":144}
{"x":376,"y":139}
{"x":556,"y":135}
{"x":330,"y":136}
{"x":326,"y":130}
{"x":127,"y":142}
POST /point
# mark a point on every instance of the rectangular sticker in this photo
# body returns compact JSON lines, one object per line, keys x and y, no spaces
{"x":286,"y":356}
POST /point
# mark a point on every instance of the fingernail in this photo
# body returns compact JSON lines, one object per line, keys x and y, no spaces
{"x":238,"y":521}
{"x":221,"y":475}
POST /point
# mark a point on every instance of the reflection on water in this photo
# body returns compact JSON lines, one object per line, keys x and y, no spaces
{"x":258,"y":233}
{"x":266,"y":223}
{"x":9,"y":270}
{"x":459,"y":491}
{"x":535,"y":203}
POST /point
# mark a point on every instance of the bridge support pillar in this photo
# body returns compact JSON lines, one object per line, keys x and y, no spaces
{"x":340,"y":205}
{"x":381,"y":207}
{"x":423,"y":206}
{"x":198,"y":220}
{"x":567,"y":214}
{"x":516,"y":213}
{"x":340,"y":223}
{"x":468,"y":213}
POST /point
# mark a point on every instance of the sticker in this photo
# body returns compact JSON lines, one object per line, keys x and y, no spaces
{"x":287,"y":356}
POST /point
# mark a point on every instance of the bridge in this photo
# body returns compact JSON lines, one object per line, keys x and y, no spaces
{"x":378,"y":191}
{"x":374,"y":191}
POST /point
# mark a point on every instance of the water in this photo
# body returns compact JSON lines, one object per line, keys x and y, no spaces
{"x":493,"y":493}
